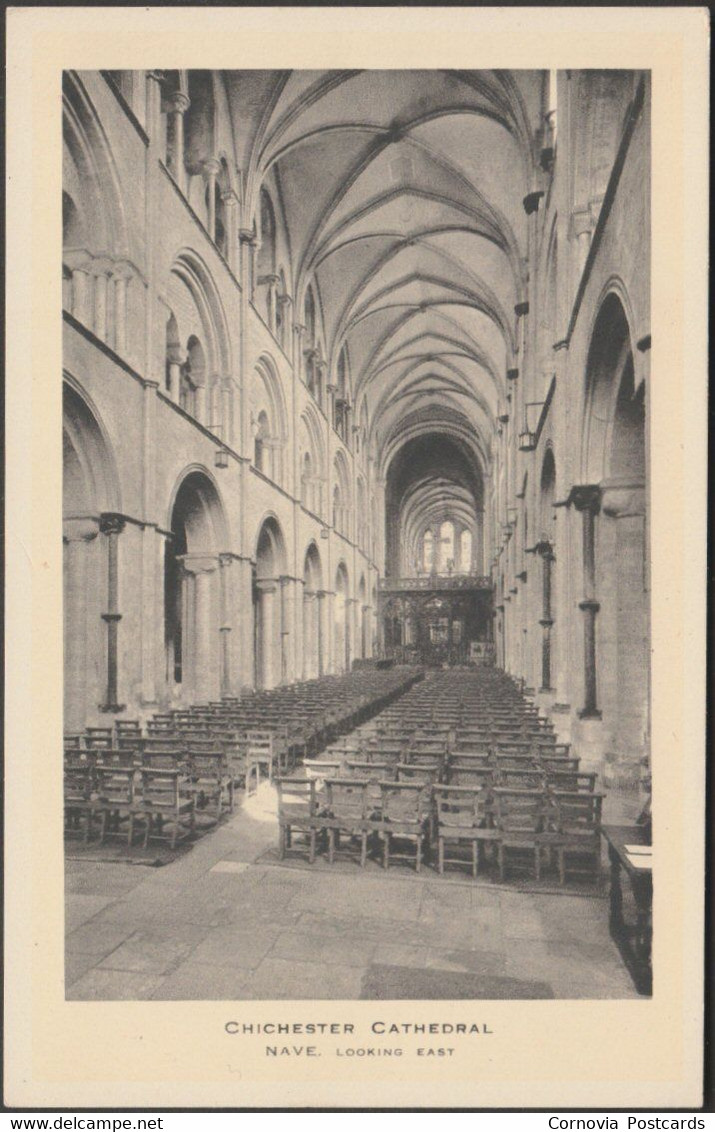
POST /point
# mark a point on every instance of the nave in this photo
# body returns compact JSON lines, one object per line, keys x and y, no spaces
{"x":244,"y":914}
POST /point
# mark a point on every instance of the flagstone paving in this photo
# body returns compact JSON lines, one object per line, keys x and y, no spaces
{"x":227,"y":921}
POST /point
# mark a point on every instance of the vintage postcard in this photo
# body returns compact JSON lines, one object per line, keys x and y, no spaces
{"x":356,"y":527}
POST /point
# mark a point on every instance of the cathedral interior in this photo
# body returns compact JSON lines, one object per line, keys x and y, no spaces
{"x":356,"y":383}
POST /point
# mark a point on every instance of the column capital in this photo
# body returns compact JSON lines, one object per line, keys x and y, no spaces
{"x":211,"y":167}
{"x":521,"y":309}
{"x":585,"y":497}
{"x":267,"y":585}
{"x":80,"y":528}
{"x":198,"y":563}
{"x":111,"y":523}
{"x":284,"y":300}
{"x":178,"y":102}
{"x":230,"y":198}
{"x":247,"y":236}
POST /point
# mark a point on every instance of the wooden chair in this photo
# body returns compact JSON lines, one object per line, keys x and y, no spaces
{"x":80,"y":808}
{"x":404,"y":814}
{"x":577,"y":833}
{"x":211,"y":785}
{"x":165,"y":802}
{"x":117,"y":804}
{"x":298,"y":810}
{"x":259,"y":753}
{"x":520,"y":824}
{"x":348,"y":810}
{"x":461,"y":816}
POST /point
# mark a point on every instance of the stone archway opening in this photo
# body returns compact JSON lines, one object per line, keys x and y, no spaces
{"x":192,"y":591}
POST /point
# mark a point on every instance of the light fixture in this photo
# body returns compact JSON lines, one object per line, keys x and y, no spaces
{"x":221,"y":458}
{"x":324,"y":532}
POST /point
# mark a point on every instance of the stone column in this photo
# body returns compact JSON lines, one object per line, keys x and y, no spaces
{"x":310,"y":607}
{"x":197,"y":625}
{"x":267,"y":589}
{"x":225,"y":562}
{"x":178,"y":105}
{"x":230,"y":211}
{"x":323,"y":627}
{"x":120,"y":283}
{"x":545,"y":550}
{"x":82,"y":295}
{"x":76,"y":535}
{"x":298,"y":332}
{"x":211,"y":170}
{"x":286,"y":618}
{"x":623,"y":502}
{"x":247,"y":240}
{"x":200,"y":403}
{"x":243,"y":611}
{"x":101,"y":284}
{"x":587,"y":499}
{"x":112,"y":525}
{"x":284,"y":303}
{"x":175,"y":359}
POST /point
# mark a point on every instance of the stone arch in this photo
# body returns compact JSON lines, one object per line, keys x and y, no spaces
{"x":269,"y":417}
{"x":270,"y":558}
{"x":610,"y":355}
{"x":313,"y":597}
{"x":192,"y":598}
{"x":342,"y":496}
{"x":195,"y":311}
{"x":90,"y":492}
{"x":614,"y":447}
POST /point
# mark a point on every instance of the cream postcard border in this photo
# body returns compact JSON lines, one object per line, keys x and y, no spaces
{"x":636,"y":1053}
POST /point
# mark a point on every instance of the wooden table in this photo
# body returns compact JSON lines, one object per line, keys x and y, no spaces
{"x":633,"y":938}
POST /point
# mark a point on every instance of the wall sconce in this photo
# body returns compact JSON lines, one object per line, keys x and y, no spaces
{"x":221,"y":458}
{"x":324,"y":532}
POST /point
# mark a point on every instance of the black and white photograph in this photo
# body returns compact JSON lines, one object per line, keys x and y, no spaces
{"x":358,"y":483}
{"x":355,"y":521}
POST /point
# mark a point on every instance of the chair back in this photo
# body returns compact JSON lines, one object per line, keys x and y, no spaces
{"x":404,"y":802}
{"x":422,"y":771}
{"x":578,"y":814}
{"x":115,"y":785}
{"x":526,"y":778}
{"x":519,"y":811}
{"x":459,"y":807}
{"x":347,"y":798}
{"x":297,"y":798}
{"x":78,"y":781}
{"x":161,"y":788}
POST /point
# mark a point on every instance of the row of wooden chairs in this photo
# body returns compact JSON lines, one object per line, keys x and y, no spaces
{"x":110,"y":798}
{"x":516,"y":822}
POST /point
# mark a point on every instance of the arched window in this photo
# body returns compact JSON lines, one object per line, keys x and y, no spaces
{"x":427,"y":551}
{"x":193,"y":374}
{"x":172,"y":373}
{"x":262,"y":434}
{"x":341,"y":407}
{"x":337,"y":508}
{"x":306,"y":480}
{"x":446,"y":547}
{"x":465,"y":552}
{"x":309,"y":316}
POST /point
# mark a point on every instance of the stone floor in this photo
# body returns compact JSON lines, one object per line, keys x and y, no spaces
{"x":226,"y":920}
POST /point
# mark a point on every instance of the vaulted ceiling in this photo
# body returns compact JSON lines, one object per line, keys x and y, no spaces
{"x":402,"y":194}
